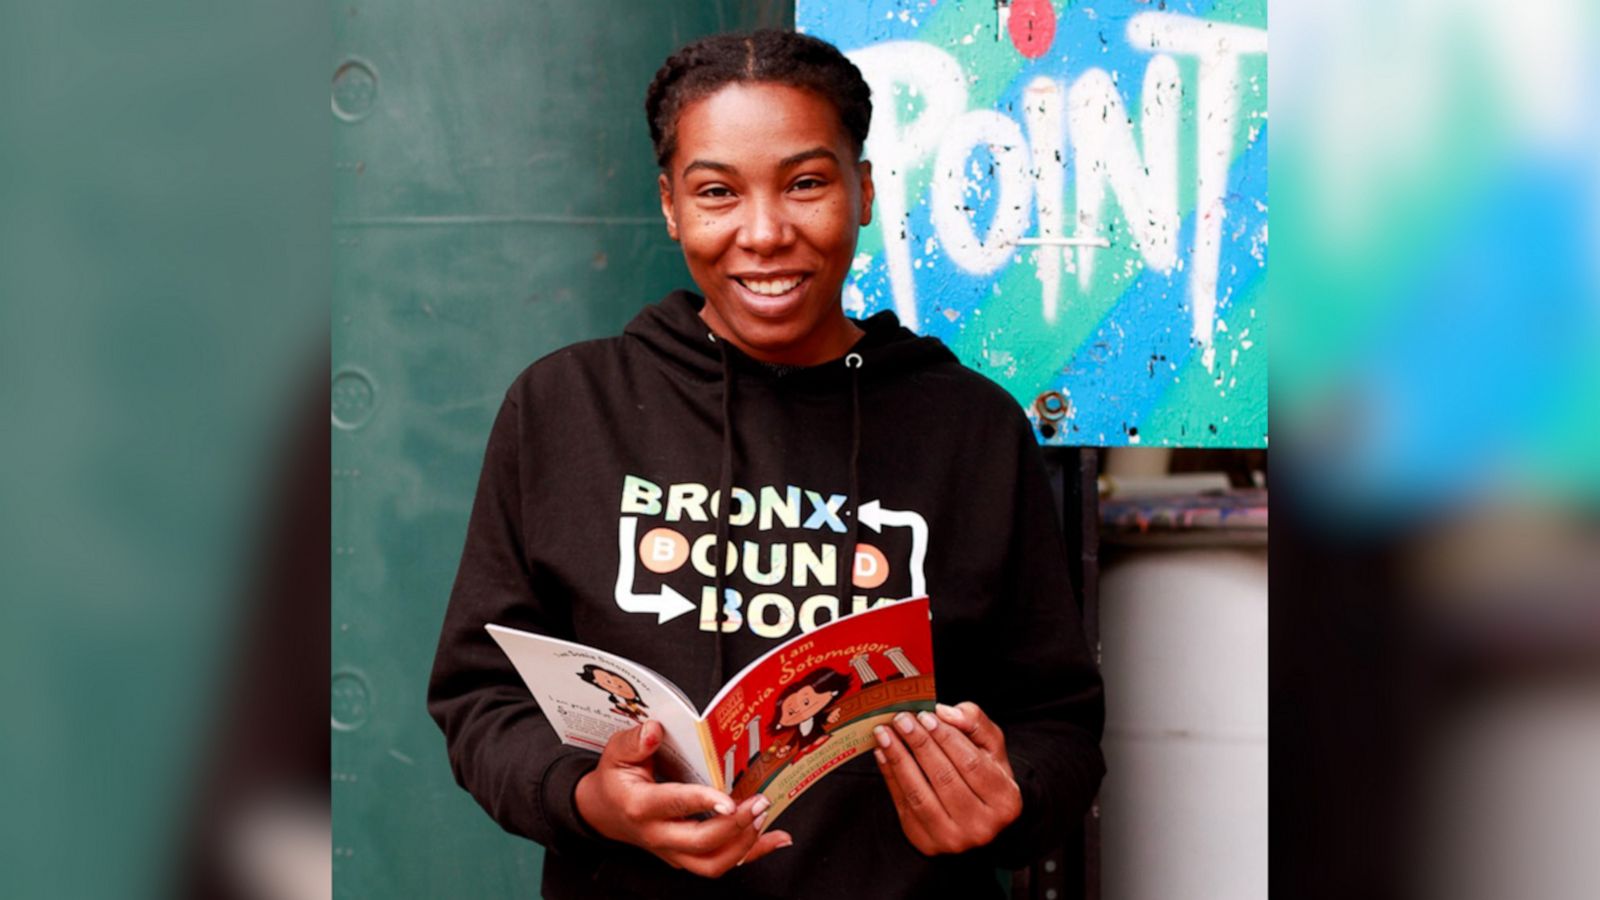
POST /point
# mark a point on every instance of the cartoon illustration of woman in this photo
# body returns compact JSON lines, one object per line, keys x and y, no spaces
{"x":803,"y":709}
{"x":624,"y":698}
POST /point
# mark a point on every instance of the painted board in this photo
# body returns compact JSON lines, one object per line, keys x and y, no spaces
{"x":1073,"y":196}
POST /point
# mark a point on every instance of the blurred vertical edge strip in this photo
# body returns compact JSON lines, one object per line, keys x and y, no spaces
{"x":164,"y":273}
{"x":1436,"y":517}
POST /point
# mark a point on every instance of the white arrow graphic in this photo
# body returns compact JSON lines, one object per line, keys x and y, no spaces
{"x":875,"y":517}
{"x":667,"y":605}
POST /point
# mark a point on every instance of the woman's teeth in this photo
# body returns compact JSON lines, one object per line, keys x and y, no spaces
{"x":773,"y":287}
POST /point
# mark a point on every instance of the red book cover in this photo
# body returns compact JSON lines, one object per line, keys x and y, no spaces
{"x":810,"y":706}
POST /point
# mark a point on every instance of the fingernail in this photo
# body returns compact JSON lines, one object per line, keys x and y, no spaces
{"x":903,"y":722}
{"x":878,"y":755}
{"x":949,"y":712}
{"x":784,"y":843}
{"x":882,"y":734}
{"x":761,"y":806}
{"x":927,"y":720}
{"x":724,"y":807}
{"x":760,"y":821}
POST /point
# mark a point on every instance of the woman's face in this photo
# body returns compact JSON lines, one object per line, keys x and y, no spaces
{"x":766,"y":196}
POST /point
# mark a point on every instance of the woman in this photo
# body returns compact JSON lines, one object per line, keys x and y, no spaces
{"x":748,"y":434}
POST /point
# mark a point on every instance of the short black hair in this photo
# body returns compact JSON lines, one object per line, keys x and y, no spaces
{"x":705,"y":66}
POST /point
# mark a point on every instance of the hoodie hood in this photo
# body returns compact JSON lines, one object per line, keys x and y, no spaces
{"x":676,"y":335}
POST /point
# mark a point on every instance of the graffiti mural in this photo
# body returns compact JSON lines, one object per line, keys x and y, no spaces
{"x":1073,"y":196}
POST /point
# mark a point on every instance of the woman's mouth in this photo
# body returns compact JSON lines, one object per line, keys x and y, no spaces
{"x":772,"y":287}
{"x":771,"y":295}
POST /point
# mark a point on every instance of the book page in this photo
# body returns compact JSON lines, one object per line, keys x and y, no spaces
{"x":589,"y":695}
{"x":810,"y":704}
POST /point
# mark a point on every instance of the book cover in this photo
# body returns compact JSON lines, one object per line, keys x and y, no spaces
{"x":794,"y":714}
{"x":810,"y":705}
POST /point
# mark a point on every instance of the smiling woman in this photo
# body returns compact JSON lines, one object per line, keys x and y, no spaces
{"x":763,"y":388}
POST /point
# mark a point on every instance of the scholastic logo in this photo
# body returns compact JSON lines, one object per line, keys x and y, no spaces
{"x":790,"y":572}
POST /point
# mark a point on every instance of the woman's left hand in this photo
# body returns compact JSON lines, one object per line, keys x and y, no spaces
{"x":949,"y":776}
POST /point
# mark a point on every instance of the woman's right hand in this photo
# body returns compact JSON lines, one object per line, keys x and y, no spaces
{"x":621,"y":800}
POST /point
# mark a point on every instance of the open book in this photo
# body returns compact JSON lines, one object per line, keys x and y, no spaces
{"x":797,"y":712}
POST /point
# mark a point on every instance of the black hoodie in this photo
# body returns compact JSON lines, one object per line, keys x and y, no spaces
{"x":631,"y":442}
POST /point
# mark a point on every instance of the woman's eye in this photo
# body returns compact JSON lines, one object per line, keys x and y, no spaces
{"x":715,"y":192}
{"x":808,"y":184}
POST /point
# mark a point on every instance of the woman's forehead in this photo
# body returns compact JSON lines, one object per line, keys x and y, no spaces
{"x":758,"y":123}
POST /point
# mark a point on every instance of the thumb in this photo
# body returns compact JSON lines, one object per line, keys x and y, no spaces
{"x":636,"y":745}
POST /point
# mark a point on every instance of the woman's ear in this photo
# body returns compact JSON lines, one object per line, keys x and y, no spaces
{"x":665,"y":185}
{"x":867,"y":190}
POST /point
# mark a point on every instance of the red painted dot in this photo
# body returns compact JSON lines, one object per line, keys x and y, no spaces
{"x":1032,"y":26}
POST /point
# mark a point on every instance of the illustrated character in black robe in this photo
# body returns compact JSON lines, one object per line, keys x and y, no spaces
{"x":624,"y":698}
{"x":803,"y":709}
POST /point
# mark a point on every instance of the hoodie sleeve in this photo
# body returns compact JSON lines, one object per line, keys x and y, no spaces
{"x":1047,"y":697}
{"x":501,"y":747}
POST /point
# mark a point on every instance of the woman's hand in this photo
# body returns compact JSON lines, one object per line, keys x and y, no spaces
{"x":950,"y":778}
{"x":621,"y":800}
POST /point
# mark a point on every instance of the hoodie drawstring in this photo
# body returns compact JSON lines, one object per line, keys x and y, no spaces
{"x":724,"y":507}
{"x":848,"y":557}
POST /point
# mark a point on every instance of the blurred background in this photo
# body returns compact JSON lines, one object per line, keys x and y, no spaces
{"x":164,"y":243}
{"x":172,"y":198}
{"x":1435,"y":390}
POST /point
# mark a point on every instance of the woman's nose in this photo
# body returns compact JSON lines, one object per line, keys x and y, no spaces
{"x":766,"y":228}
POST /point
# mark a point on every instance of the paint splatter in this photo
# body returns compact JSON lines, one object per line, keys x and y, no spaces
{"x":1032,"y":26}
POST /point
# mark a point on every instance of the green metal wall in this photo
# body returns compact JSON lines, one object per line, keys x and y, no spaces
{"x":494,"y":199}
